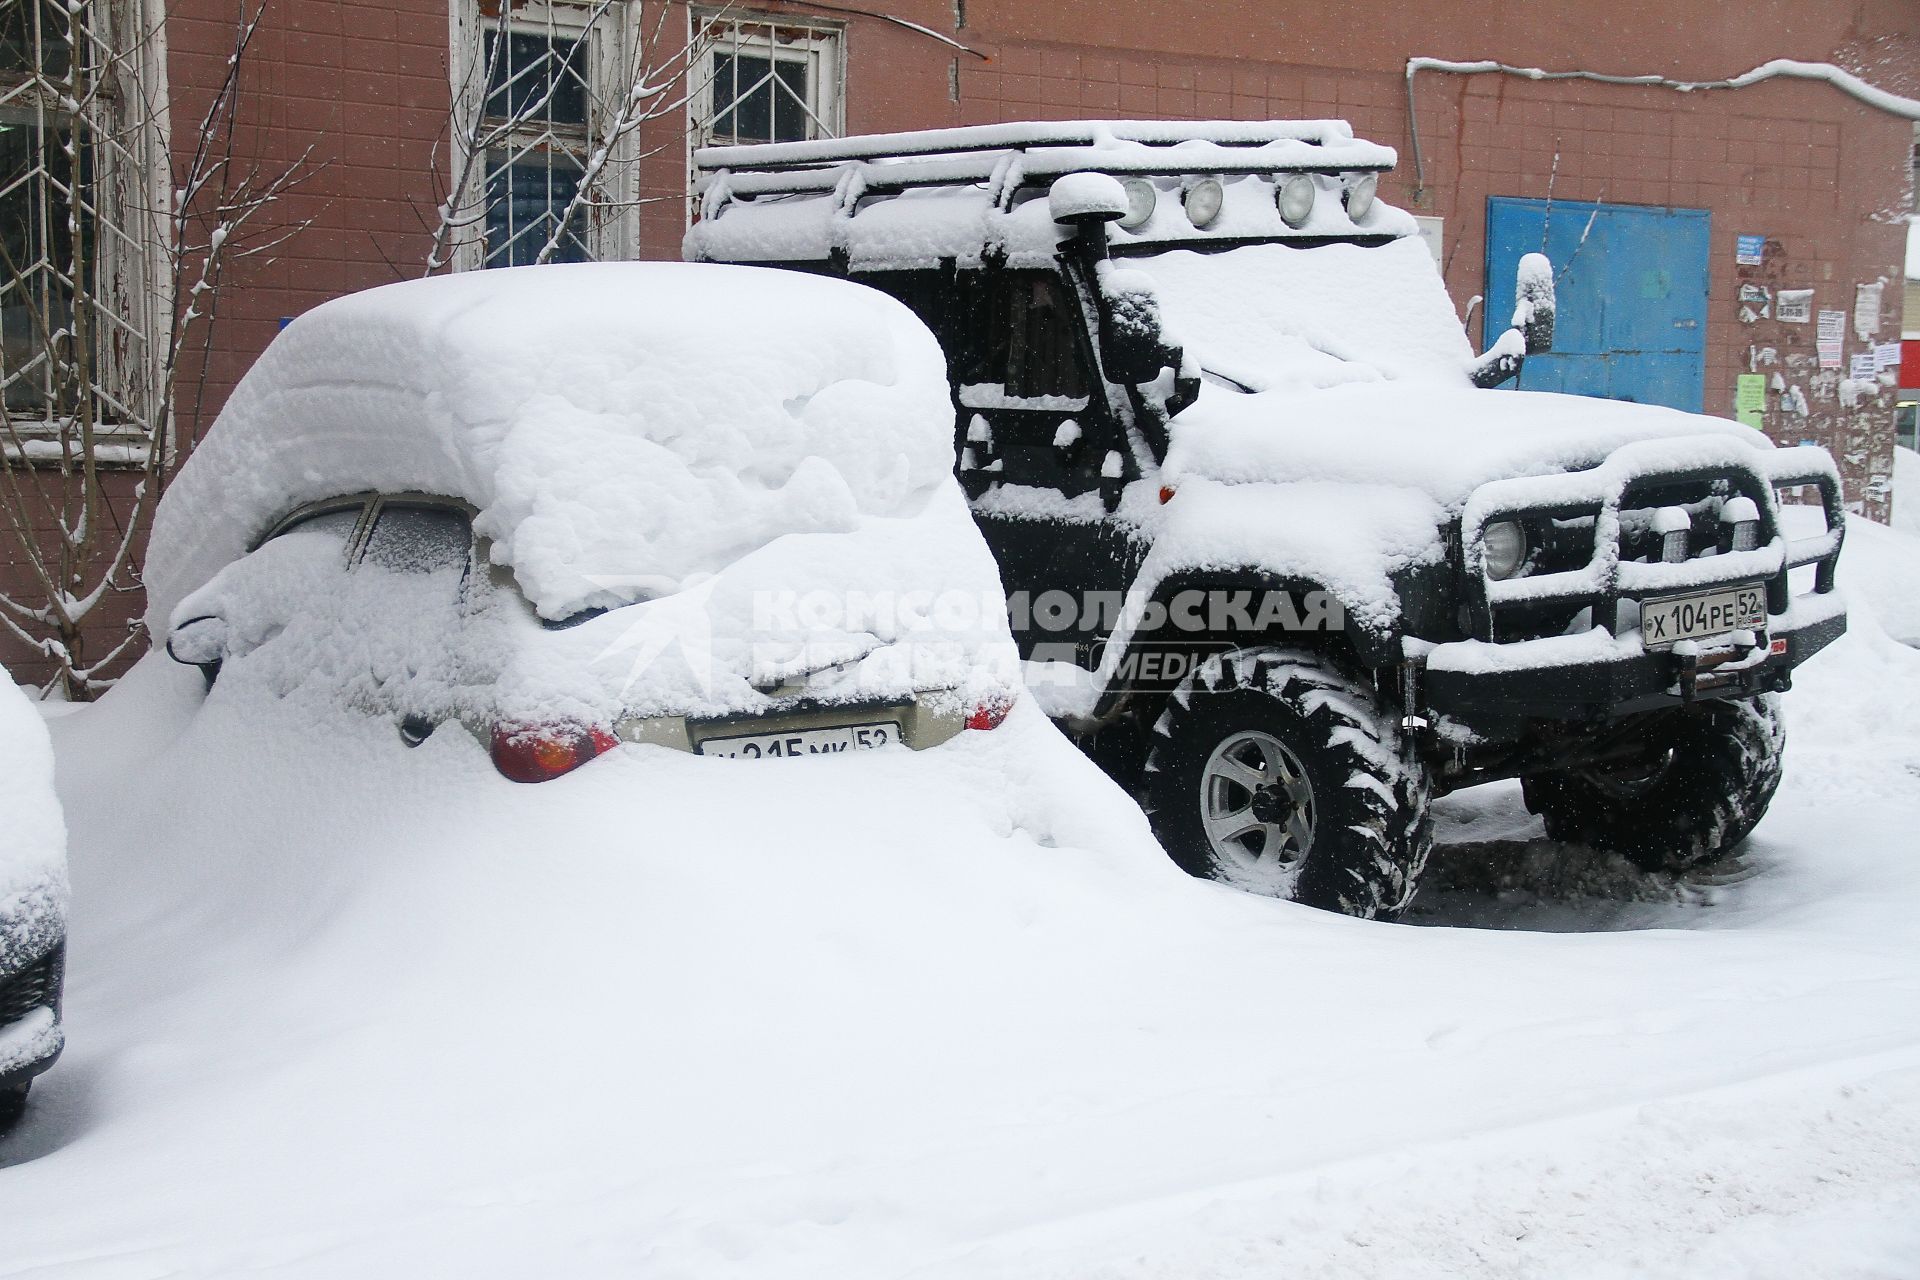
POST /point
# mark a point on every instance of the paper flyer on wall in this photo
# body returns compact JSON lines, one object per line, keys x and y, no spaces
{"x":1832,"y":331}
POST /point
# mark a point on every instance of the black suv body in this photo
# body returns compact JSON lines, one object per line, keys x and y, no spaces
{"x":1277,"y":553}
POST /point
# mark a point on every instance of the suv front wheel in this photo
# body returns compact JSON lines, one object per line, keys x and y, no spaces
{"x":1711,"y":772}
{"x":1274,"y":771}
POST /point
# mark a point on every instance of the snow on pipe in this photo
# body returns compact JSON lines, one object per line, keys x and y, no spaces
{"x":1845,"y":81}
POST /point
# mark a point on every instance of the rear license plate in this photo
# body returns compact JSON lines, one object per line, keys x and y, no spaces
{"x":802,"y":742}
{"x":1705,"y":616}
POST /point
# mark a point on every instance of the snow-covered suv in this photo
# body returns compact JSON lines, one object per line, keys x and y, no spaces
{"x":1276,"y":552}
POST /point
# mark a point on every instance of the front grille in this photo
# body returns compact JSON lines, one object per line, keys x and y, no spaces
{"x":1654,"y":519}
{"x":37,"y":986}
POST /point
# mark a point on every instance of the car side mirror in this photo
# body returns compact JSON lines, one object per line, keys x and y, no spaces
{"x":1533,"y":306}
{"x":1531,"y":332}
{"x":200,"y":642}
{"x":1133,"y":346}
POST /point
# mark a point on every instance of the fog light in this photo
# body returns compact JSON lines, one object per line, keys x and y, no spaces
{"x":1503,"y":548}
{"x":1744,"y":517}
{"x":1673,"y":524}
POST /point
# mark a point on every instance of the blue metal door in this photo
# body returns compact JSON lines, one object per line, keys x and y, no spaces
{"x":1632,"y":289}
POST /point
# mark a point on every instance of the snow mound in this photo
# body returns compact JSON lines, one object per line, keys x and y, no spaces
{"x":599,"y":416}
{"x":33,"y":836}
{"x":1906,"y":490}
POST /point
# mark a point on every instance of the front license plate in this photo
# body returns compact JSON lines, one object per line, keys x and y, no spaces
{"x":1701,"y":617}
{"x":802,"y":742}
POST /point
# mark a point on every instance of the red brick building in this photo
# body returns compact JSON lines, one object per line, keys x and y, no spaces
{"x":1782,"y":186}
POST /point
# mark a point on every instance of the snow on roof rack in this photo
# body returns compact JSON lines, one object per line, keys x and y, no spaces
{"x":1037,"y":152}
{"x":918,"y":198}
{"x":1023,"y":136}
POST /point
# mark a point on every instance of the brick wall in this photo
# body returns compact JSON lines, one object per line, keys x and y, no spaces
{"x":364,"y":87}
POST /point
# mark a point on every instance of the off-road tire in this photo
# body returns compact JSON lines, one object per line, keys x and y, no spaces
{"x":13,"y":1104}
{"x":1371,"y":829}
{"x":1708,"y":794}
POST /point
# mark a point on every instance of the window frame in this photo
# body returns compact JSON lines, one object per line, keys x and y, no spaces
{"x":609,"y":38}
{"x":124,"y":189}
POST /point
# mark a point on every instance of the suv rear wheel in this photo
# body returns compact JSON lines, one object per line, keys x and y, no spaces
{"x":1715,"y":771}
{"x":13,"y":1104}
{"x":1275,"y":771}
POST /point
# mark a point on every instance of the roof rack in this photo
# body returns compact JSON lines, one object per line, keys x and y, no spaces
{"x":1042,"y":150}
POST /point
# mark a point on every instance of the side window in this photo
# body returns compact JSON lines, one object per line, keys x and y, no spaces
{"x":404,"y":535}
{"x":1043,"y":348}
{"x":340,"y":524}
{"x":417,"y":539}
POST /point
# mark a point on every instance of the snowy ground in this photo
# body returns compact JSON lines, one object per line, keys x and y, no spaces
{"x":337,"y":1008}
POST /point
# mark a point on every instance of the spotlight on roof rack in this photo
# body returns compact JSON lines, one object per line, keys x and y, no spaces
{"x":1360,"y":196}
{"x":1202,"y":202}
{"x":1141,"y":198}
{"x":1080,"y":198}
{"x":1295,"y":200}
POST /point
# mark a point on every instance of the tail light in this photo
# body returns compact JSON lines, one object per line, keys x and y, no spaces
{"x":990,"y":714}
{"x":540,"y":752}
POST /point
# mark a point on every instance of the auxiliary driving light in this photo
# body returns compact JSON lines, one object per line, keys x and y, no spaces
{"x":1141,"y":197}
{"x":1203,"y":202}
{"x":1360,"y":196}
{"x":1295,"y":199}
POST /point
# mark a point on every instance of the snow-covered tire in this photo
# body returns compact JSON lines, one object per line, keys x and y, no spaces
{"x":13,"y":1104}
{"x":1717,"y":776}
{"x":1310,"y":736}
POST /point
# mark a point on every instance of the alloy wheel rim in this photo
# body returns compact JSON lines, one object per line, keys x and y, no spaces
{"x":1256,"y":806}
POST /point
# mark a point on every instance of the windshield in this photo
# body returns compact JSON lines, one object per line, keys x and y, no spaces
{"x":1270,"y":316}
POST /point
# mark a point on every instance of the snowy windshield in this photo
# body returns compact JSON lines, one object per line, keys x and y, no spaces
{"x":1271,"y":316}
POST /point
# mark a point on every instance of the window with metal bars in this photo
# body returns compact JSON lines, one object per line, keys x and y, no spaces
{"x":76,"y":315}
{"x":39,"y":215}
{"x":539,"y":86}
{"x":765,"y":79}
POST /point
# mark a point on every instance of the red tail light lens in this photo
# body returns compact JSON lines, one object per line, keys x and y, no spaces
{"x":990,"y":714}
{"x":539,"y":752}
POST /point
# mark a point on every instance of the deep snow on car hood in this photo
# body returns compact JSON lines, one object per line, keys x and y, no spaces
{"x":1443,"y":441}
{"x":1356,"y":372}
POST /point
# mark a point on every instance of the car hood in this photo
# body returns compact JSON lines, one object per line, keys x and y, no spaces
{"x":1440,"y":440}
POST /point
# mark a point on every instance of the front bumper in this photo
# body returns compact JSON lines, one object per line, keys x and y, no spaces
{"x":1536,"y":679}
{"x":31,"y":1036}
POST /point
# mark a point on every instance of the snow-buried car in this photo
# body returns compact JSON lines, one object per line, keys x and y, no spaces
{"x":572,"y":506}
{"x":1276,"y":552}
{"x":33,"y":903}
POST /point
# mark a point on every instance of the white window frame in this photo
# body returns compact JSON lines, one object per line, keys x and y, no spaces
{"x":128,"y":193}
{"x":820,"y":45}
{"x":609,"y":44}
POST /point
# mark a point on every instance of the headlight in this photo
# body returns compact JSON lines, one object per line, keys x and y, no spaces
{"x":1140,"y":201}
{"x":1360,"y":196}
{"x":1295,"y":199}
{"x":1503,"y":548}
{"x":1203,"y":202}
